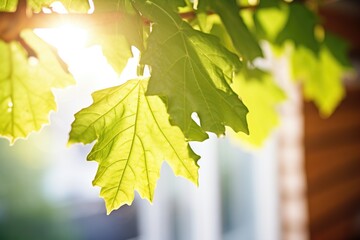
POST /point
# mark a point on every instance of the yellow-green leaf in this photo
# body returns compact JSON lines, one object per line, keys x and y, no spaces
{"x":133,"y":136}
{"x":321,"y":77}
{"x":77,"y":6}
{"x":261,"y":95}
{"x":25,"y":86}
{"x":8,"y":5}
{"x":118,"y":35}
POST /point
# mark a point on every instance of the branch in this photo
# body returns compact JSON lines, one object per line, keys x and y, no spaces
{"x":10,"y":27}
{"x":11,"y":24}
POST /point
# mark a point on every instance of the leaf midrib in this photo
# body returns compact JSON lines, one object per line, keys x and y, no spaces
{"x":131,"y":147}
{"x":110,"y":109}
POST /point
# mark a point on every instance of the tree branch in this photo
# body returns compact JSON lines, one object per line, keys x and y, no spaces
{"x":11,"y":24}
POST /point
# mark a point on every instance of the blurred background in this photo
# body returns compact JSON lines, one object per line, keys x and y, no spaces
{"x":304,"y":183}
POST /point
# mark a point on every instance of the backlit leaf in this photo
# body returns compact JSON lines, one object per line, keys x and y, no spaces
{"x":321,"y":77}
{"x":8,"y":5}
{"x":25,"y":86}
{"x":118,"y":34}
{"x":300,"y":28}
{"x":193,"y":71}
{"x":261,"y":95}
{"x":243,"y":40}
{"x":270,"y":21}
{"x":77,"y":6}
{"x":133,"y":136}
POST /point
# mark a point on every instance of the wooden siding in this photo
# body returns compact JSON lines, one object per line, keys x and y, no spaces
{"x":332,"y":164}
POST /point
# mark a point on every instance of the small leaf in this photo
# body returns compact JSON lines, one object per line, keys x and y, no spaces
{"x":116,"y":50}
{"x":321,"y":77}
{"x":25,"y":86}
{"x":269,"y":3}
{"x":243,"y":40}
{"x":8,"y":5}
{"x":118,"y":35}
{"x":133,"y":136}
{"x":102,"y":6}
{"x":76,"y":6}
{"x":338,"y":48}
{"x":300,"y":28}
{"x":193,"y":71}
{"x":261,"y":95}
{"x":270,"y":21}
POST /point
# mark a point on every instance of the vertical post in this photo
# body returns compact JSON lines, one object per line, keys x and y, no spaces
{"x":292,"y":179}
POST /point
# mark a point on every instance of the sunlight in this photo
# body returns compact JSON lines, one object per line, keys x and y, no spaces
{"x":72,"y":44}
{"x":68,"y":39}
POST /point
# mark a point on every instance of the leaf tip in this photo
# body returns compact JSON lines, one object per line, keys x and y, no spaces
{"x":70,"y":142}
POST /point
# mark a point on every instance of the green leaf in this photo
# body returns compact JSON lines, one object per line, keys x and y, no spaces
{"x":133,"y":136}
{"x":269,"y":3}
{"x":115,"y":48}
{"x":219,"y":31}
{"x":117,"y":36}
{"x":270,"y":21}
{"x":76,"y":6}
{"x":193,"y":71}
{"x":338,"y":48}
{"x":203,"y":5}
{"x":261,"y":95}
{"x":25,"y":86}
{"x":300,"y":28}
{"x":8,"y":5}
{"x":175,"y":4}
{"x":321,"y":77}
{"x":79,"y":6}
{"x":102,"y":6}
{"x":243,"y":40}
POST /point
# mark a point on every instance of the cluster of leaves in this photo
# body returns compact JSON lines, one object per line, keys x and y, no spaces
{"x":201,"y":58}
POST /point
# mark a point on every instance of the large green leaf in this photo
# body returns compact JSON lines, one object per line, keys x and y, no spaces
{"x":133,"y":136}
{"x":25,"y":86}
{"x":193,"y":71}
{"x":261,"y":95}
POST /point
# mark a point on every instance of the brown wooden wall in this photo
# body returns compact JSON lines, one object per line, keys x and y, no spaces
{"x":332,"y":163}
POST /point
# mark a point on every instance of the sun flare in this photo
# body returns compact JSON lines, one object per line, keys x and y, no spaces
{"x":72,"y":44}
{"x":68,"y":39}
